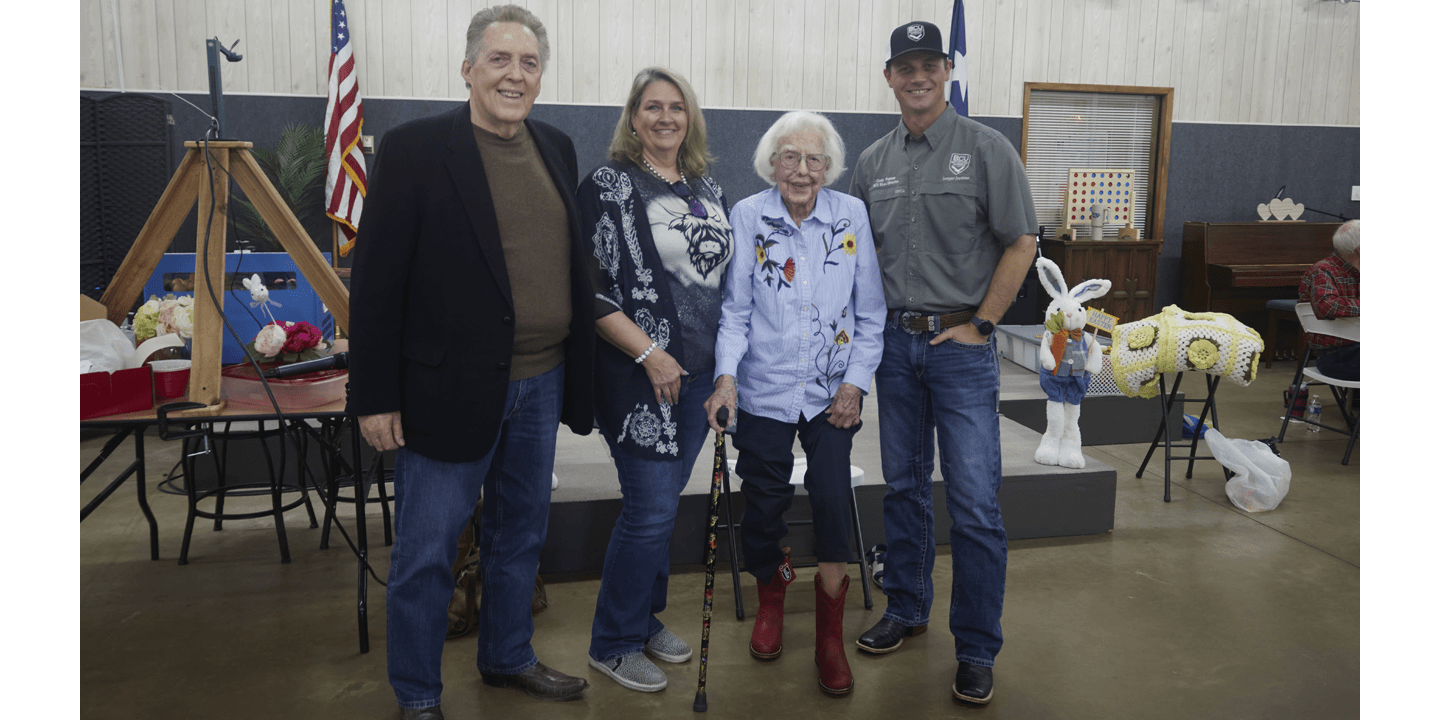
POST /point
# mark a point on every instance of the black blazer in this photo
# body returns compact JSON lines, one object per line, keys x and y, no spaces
{"x":431,"y":315}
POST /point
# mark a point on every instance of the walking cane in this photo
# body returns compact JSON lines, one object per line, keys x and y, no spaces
{"x":722,"y":418}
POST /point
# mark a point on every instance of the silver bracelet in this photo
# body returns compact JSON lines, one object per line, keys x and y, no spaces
{"x":653,"y":345}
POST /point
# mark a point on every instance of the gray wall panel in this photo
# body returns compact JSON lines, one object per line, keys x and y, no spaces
{"x":1218,"y":172}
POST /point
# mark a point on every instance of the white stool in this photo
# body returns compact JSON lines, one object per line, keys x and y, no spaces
{"x":797,"y":479}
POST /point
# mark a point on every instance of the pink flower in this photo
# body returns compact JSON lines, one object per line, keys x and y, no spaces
{"x":301,"y":336}
{"x":270,"y":341}
{"x":789,"y":269}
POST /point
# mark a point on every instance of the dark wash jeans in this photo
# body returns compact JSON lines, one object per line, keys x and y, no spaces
{"x":433,"y":502}
{"x":765,"y":463}
{"x":636,"y":579}
{"x":951,"y":392}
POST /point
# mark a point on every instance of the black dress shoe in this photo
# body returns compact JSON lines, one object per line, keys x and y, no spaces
{"x":886,"y":636}
{"x":973,"y":683}
{"x":541,"y":682}
{"x":425,"y":713}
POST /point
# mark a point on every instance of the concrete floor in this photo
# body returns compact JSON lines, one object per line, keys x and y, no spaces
{"x":1191,"y":609}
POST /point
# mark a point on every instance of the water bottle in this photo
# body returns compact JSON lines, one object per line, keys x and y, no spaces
{"x":1312,"y":413}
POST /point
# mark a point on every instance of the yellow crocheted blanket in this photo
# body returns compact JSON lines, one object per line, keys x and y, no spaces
{"x":1179,"y":341}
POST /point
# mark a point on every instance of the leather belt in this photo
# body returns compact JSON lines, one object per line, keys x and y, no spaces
{"x":916,"y":322}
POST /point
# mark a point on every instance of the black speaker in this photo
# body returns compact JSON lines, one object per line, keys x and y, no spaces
{"x":125,"y":163}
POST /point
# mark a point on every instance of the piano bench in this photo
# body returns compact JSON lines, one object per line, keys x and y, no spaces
{"x":1279,"y":310}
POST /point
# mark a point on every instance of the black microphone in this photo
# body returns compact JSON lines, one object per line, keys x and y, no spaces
{"x":338,"y":361}
{"x":229,"y":53}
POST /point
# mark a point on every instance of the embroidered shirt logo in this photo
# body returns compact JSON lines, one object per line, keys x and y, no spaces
{"x":915,"y":32}
{"x":786,"y":573}
{"x":958,"y":162}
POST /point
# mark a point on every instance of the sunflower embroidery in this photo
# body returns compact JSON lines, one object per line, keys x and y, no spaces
{"x":835,"y":242}
{"x":842,"y":338}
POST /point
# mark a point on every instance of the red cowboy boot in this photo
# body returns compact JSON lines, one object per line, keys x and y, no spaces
{"x":835,"y":677}
{"x":770,"y":618}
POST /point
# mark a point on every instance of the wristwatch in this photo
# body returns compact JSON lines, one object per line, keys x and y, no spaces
{"x":984,"y":326}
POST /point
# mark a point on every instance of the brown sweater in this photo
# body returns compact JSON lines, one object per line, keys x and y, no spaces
{"x":535,"y":234}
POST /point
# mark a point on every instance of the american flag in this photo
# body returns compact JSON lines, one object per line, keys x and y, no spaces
{"x":959,"y":83}
{"x":345,"y":178}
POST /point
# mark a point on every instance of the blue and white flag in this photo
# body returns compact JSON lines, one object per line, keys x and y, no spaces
{"x":959,"y":84}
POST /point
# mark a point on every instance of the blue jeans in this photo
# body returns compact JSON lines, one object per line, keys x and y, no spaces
{"x":433,"y":502}
{"x":950,"y":391}
{"x":636,"y":577}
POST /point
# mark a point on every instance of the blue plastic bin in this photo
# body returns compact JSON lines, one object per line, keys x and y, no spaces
{"x":297,"y":297}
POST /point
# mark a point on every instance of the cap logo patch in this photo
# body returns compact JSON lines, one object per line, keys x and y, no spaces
{"x":915,"y":32}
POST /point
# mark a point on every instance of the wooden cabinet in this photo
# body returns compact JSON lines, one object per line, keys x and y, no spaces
{"x":1131,"y":268}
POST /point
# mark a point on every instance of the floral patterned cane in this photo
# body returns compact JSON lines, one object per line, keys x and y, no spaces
{"x":722,"y":417}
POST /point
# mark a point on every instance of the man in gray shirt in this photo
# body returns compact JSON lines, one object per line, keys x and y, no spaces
{"x":955,"y":230}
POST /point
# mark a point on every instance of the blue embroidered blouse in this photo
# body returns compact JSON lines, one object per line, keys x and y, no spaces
{"x":804,"y":309}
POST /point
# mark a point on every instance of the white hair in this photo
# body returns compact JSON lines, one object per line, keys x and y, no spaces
{"x":1347,"y":238}
{"x":791,"y":123}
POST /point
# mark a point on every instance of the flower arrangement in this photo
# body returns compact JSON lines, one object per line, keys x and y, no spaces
{"x":162,"y":316}
{"x":287,"y":342}
{"x":283,"y":342}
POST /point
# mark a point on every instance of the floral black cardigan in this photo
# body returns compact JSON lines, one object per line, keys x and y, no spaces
{"x":628,"y":276}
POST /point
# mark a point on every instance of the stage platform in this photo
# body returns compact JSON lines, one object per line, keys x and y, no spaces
{"x":1036,"y":500}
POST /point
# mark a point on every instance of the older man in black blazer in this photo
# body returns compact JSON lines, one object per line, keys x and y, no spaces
{"x":468,"y":348}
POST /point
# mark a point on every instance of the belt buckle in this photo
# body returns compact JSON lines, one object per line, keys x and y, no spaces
{"x":907,"y":316}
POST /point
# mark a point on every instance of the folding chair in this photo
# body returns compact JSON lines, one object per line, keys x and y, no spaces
{"x":1344,"y":328}
{"x":1280,"y":310}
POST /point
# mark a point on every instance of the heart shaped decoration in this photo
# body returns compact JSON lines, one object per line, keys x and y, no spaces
{"x":1264,"y":211}
{"x":1286,"y":209}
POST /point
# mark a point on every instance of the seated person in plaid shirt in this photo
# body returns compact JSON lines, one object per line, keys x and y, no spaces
{"x":1332,"y":286}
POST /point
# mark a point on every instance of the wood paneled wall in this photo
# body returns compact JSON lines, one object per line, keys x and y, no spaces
{"x":1253,"y":61}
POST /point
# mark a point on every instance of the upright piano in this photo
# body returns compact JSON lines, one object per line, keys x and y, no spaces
{"x":1236,"y":267}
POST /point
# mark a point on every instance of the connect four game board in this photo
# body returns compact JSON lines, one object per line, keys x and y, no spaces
{"x":1109,"y":188}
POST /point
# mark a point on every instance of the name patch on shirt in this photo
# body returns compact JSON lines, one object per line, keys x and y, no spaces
{"x":884,"y":183}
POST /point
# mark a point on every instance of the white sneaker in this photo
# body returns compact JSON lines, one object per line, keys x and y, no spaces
{"x":634,"y":671}
{"x":668,"y":646}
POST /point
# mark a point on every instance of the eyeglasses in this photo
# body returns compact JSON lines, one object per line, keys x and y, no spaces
{"x":683,"y":191}
{"x":791,"y":160}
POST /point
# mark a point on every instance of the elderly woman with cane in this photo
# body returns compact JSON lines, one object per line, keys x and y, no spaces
{"x":661,"y":245}
{"x":800,"y":337}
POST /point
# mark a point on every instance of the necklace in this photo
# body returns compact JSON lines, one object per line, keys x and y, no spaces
{"x":681,"y":189}
{"x":657,"y":174}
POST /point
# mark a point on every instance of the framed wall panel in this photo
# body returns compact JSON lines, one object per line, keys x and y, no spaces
{"x":1070,"y":125}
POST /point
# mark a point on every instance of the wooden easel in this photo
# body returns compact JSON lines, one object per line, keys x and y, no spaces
{"x":189,"y":185}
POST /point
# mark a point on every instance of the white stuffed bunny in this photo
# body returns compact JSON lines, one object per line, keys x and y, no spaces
{"x":1067,"y":358}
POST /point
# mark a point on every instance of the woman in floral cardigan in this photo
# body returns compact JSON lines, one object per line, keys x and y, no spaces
{"x":662,"y":242}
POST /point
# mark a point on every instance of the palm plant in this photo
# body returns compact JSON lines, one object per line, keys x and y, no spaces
{"x":296,"y":168}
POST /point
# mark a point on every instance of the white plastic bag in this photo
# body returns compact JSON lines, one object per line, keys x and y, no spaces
{"x":1262,"y":478}
{"x":104,"y":346}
